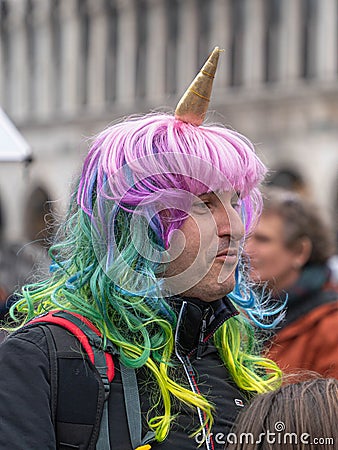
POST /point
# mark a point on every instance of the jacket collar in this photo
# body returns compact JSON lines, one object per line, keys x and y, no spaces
{"x":198,"y":321}
{"x":312,"y":289}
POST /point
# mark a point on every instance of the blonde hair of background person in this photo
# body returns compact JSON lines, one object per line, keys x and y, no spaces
{"x":298,"y":416}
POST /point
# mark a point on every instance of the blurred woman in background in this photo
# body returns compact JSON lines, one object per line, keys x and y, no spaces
{"x":289,"y":251}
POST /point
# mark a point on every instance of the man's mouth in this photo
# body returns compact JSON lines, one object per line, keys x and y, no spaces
{"x":229,"y":256}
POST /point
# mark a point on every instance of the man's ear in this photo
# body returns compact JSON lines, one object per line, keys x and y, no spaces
{"x":302,"y":252}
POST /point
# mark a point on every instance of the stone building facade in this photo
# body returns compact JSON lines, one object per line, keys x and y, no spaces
{"x":70,"y":67}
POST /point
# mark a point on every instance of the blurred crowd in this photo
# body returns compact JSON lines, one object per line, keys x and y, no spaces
{"x":19,"y":264}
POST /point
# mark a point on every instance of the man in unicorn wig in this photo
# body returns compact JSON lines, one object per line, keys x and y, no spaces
{"x":151,"y":256}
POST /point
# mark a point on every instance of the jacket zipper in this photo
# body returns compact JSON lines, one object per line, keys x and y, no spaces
{"x":189,"y":371}
{"x":201,"y":342}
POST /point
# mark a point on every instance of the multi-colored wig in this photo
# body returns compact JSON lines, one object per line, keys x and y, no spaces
{"x":107,"y":266}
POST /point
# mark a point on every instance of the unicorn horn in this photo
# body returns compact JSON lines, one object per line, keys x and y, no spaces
{"x":194,"y":104}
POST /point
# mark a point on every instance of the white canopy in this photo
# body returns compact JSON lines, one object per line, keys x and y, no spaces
{"x":13,"y":147}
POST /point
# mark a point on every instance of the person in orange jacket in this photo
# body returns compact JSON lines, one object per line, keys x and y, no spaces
{"x":289,"y":251}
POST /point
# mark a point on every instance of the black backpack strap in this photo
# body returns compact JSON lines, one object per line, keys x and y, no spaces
{"x":133,"y":408}
{"x":103,"y":441}
{"x":53,"y":371}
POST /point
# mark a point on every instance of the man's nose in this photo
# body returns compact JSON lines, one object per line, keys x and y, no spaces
{"x":230,"y":224}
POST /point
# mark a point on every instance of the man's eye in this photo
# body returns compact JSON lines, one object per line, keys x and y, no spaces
{"x":201,"y":205}
{"x":236,"y":203}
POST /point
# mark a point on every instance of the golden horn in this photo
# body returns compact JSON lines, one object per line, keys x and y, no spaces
{"x":194,"y":104}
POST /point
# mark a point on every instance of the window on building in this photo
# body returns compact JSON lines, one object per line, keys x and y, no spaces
{"x":84,"y":51}
{"x":1,"y":221}
{"x":5,"y":50}
{"x":39,"y":223}
{"x":309,"y":30}
{"x":335,"y":215}
{"x":237,"y":41}
{"x":203,"y":31}
{"x":111,"y":57}
{"x":141,"y":50}
{"x":272,"y":39}
{"x":31,"y":53}
{"x":56,"y":50}
{"x":171,"y":46}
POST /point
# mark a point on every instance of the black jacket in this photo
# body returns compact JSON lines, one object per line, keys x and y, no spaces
{"x":25,"y":416}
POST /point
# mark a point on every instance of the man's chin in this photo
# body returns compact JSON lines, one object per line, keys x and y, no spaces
{"x":227,"y":279}
{"x":221,"y":290}
{"x":229,"y":288}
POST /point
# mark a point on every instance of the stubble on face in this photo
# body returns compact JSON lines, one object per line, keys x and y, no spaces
{"x":206,"y":258}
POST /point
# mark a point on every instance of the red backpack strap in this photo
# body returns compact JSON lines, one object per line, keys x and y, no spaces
{"x":88,"y":335}
{"x":91,"y":340}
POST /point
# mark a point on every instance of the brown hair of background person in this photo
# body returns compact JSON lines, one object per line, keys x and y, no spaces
{"x":292,"y":417}
{"x":289,"y":250}
{"x":288,"y":178}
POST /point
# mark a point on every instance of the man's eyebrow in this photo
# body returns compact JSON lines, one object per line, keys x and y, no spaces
{"x":206,"y":194}
{"x":219,"y":192}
